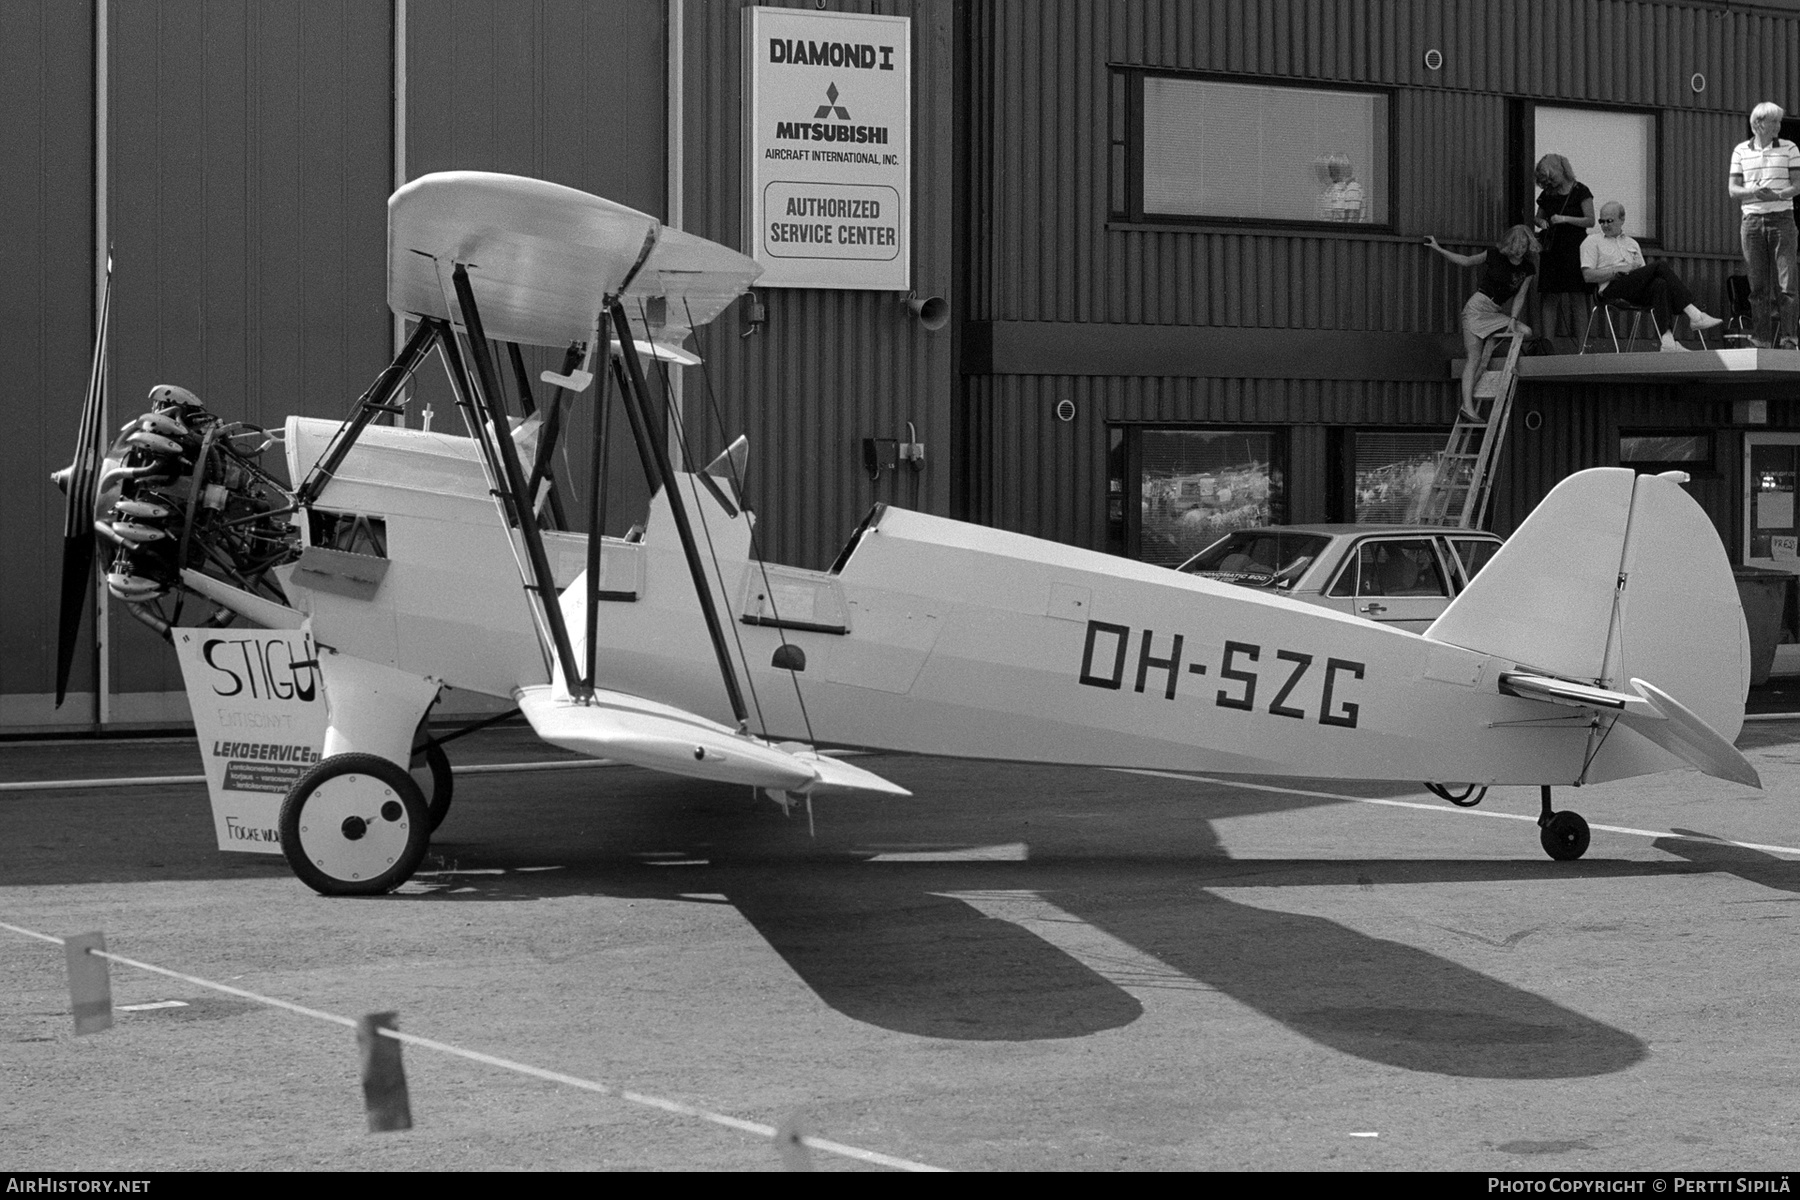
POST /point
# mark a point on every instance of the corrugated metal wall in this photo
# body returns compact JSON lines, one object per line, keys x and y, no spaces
{"x":831,"y":367}
{"x":250,"y":156}
{"x":575,"y":93}
{"x":565,"y":90}
{"x":1047,"y":110}
{"x":570,"y":91}
{"x":46,"y":312}
{"x":1616,"y":51}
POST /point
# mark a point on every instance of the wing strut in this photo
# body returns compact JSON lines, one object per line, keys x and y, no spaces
{"x":370,"y":404}
{"x":540,"y":467}
{"x":511,"y":476}
{"x":643,"y":428}
{"x":596,"y":509}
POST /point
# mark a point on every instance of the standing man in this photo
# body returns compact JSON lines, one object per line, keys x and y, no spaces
{"x":1765,"y":175}
{"x":1615,"y":262}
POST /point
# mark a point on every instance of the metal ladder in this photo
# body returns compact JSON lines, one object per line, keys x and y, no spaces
{"x":1465,"y":470}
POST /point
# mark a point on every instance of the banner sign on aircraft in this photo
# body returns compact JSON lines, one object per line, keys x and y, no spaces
{"x":259,"y":714}
{"x":828,"y":148}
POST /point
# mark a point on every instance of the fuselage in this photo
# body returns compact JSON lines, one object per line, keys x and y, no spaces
{"x":942,"y":637}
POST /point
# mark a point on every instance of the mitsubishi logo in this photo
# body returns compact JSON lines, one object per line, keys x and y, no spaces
{"x":832,"y":106}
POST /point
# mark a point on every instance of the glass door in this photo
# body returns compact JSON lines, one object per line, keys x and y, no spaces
{"x":1771,"y":464}
{"x":1772,"y":527}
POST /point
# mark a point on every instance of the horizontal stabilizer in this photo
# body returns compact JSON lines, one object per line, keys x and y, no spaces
{"x":1650,"y":711}
{"x":661,"y":737}
{"x":1560,"y":691}
{"x":1676,"y":729}
{"x":270,"y":614}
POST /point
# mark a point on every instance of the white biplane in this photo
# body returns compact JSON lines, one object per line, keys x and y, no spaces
{"x":1605,"y":640}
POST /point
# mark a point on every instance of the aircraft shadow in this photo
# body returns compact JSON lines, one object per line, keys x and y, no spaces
{"x":1370,"y":997}
{"x":1754,"y":866}
{"x":899,"y":944}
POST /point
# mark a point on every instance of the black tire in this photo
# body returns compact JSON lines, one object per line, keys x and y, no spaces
{"x":354,"y":825}
{"x":437,"y":783}
{"x":1565,"y":837}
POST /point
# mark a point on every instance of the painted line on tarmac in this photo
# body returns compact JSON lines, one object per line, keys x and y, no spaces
{"x":574,"y":1081}
{"x":1454,"y":812}
{"x":48,"y":785}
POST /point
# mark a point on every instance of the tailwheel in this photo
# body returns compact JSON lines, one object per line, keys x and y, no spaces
{"x":430,"y":769}
{"x":354,"y":825}
{"x":1564,"y":834}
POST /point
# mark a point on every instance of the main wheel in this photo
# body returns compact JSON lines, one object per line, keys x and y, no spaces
{"x":431,"y":771}
{"x":354,"y":825}
{"x":1565,"y":836}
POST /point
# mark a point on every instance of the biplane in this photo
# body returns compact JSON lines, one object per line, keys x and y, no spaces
{"x":1605,"y":640}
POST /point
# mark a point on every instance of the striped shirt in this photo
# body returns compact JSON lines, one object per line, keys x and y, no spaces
{"x":1772,"y":166}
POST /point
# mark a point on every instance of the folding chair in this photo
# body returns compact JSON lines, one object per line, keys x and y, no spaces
{"x":1738,"y":313}
{"x":1637,"y":313}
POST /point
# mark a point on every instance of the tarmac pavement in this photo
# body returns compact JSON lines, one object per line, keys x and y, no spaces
{"x":1016,"y":968}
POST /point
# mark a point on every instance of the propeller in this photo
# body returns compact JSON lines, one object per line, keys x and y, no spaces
{"x":77,"y":481}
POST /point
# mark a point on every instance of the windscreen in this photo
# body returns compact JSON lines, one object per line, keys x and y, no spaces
{"x":1264,"y":558}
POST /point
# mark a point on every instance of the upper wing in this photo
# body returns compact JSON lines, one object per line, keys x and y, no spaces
{"x":542,"y":259}
{"x":662,"y":737}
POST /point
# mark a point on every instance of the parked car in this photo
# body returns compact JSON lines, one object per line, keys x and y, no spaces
{"x":1402,"y":575}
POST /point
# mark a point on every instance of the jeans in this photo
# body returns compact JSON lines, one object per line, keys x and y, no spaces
{"x":1770,"y":240}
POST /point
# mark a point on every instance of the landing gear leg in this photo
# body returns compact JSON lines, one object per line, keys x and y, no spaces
{"x":1563,"y":834}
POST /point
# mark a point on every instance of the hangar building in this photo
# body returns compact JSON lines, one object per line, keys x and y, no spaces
{"x":1157,"y":319}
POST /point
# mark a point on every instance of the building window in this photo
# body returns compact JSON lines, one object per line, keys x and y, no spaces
{"x":1772,"y":533}
{"x":1652,"y":453}
{"x":1214,"y":150}
{"x":1612,"y":152}
{"x":1391,"y":474}
{"x":1193,"y":486}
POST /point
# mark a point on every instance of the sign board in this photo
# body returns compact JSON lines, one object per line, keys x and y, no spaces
{"x":259,"y":714}
{"x":828,"y":148}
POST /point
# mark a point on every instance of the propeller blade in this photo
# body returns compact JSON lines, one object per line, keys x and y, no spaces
{"x":77,"y":578}
{"x":78,"y":482}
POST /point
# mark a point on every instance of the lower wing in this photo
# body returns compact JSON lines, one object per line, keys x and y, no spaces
{"x":662,"y":737}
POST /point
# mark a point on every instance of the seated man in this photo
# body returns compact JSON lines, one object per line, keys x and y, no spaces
{"x":1615,"y":262}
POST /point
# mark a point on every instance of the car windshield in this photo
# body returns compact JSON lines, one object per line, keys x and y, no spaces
{"x":1258,"y":557}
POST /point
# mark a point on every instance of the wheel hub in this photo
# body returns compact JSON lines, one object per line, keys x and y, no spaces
{"x":353,"y":827}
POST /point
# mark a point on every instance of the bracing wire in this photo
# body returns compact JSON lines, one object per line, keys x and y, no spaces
{"x":662,"y":368}
{"x":1599,"y":744}
{"x":756,"y":554}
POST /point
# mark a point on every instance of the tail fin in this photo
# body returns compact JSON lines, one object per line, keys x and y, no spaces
{"x":1615,"y":577}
